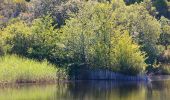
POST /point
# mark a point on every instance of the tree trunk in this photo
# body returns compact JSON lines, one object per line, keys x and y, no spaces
{"x":166,"y":47}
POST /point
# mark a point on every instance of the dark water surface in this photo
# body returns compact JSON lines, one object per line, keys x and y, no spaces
{"x":89,"y":90}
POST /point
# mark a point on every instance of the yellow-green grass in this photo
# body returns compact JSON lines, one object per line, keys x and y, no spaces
{"x":15,"y":69}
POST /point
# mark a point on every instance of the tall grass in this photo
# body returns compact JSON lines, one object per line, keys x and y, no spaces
{"x":17,"y":69}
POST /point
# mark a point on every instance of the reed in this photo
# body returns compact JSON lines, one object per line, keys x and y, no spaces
{"x":14,"y":69}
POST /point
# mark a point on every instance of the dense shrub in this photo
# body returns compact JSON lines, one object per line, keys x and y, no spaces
{"x":39,"y":41}
{"x":44,"y":40}
{"x":16,"y":37}
{"x":127,"y":57}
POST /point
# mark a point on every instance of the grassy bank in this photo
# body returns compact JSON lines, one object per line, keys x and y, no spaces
{"x":14,"y":69}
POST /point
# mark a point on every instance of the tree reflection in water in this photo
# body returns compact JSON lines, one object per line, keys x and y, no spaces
{"x":89,"y":90}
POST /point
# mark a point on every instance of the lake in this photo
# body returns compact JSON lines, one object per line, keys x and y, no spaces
{"x":88,"y":90}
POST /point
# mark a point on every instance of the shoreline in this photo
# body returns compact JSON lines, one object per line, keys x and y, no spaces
{"x":116,"y":79}
{"x":149,"y":79}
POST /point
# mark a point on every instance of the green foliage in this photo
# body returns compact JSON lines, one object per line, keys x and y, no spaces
{"x":16,"y":37}
{"x":144,"y":28}
{"x":165,"y":35}
{"x":149,"y":7}
{"x":16,"y":69}
{"x":2,"y":51}
{"x":127,"y":57}
{"x":11,"y":9}
{"x":95,"y":33}
{"x":40,"y":40}
{"x":44,"y":40}
{"x":87,"y":35}
{"x":90,"y":35}
{"x":59,"y":9}
{"x":162,"y":8}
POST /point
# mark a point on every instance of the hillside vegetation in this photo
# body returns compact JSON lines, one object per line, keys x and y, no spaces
{"x":125,"y":36}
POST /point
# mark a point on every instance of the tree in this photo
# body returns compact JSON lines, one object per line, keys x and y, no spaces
{"x":45,"y":41}
{"x":165,"y":35}
{"x":58,"y":9}
{"x":126,"y":55}
{"x":15,"y":37}
{"x":88,"y":34}
{"x":12,"y":8}
{"x":39,"y":41}
{"x":92,"y":38}
{"x":143,"y":27}
{"x":162,"y":8}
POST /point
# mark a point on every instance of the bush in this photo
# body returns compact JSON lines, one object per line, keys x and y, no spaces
{"x":43,"y":38}
{"x":40,"y":40}
{"x":16,"y":37}
{"x":45,"y":41}
{"x":127,"y":57}
{"x":16,"y":69}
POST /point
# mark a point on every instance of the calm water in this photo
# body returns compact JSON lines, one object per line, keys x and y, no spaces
{"x":89,"y":90}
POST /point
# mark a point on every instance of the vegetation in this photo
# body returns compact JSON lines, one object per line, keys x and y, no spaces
{"x":165,"y":69}
{"x":16,"y":69}
{"x":165,"y":35}
{"x":101,"y":45}
{"x":124,"y":36}
{"x":128,"y":58}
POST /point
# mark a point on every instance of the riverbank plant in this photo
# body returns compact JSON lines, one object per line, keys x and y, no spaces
{"x":15,"y":69}
{"x":100,"y":35}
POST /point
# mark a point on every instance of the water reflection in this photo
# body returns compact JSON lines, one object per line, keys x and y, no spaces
{"x":158,"y":90}
{"x":89,"y":90}
{"x":103,"y":90}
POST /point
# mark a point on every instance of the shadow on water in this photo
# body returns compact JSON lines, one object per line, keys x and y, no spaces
{"x":89,"y":90}
{"x":102,"y":89}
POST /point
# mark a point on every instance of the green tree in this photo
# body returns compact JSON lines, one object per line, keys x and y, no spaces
{"x":165,"y":35}
{"x":45,"y":40}
{"x":162,"y":8}
{"x":40,"y":40}
{"x":144,"y":28}
{"x":15,"y":37}
{"x":88,"y":34}
{"x":94,"y":38}
{"x":126,"y":55}
{"x":59,"y":9}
